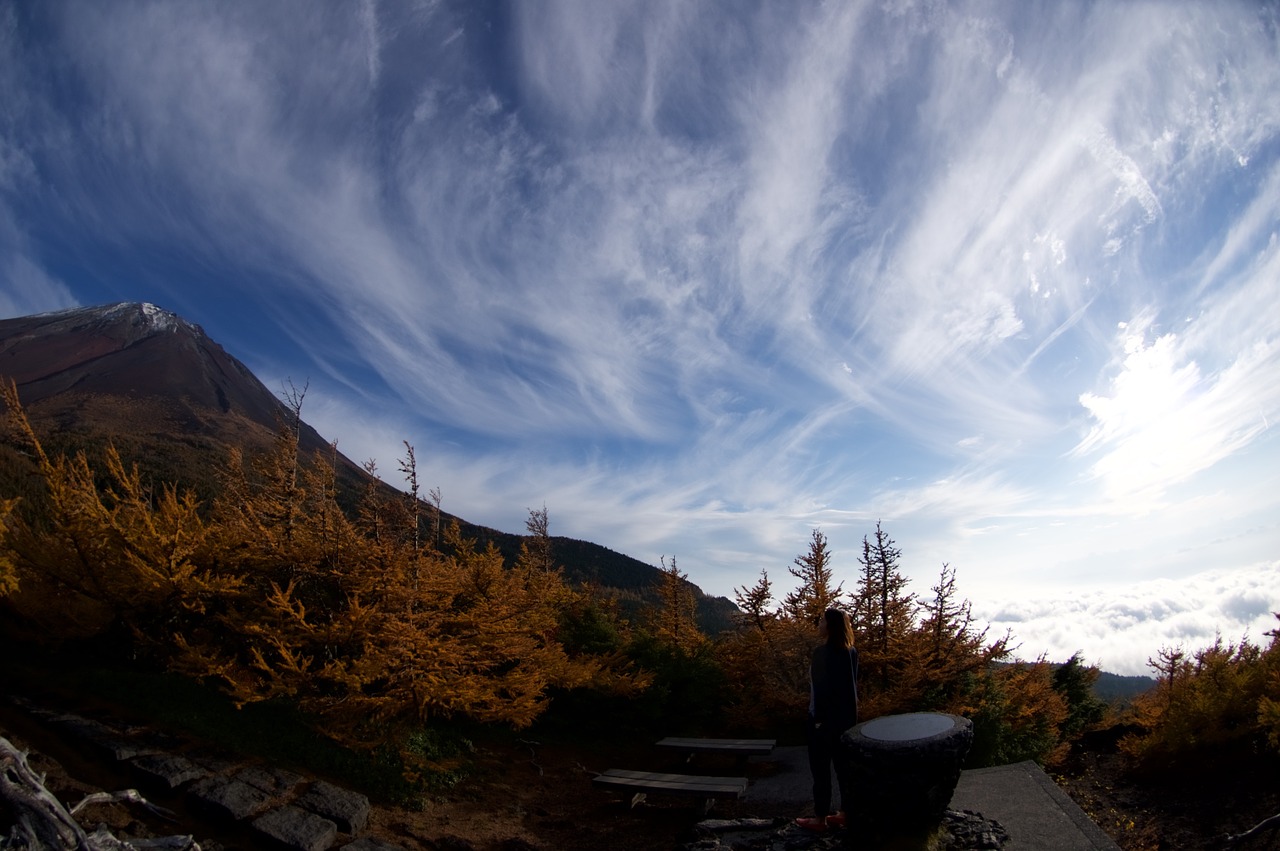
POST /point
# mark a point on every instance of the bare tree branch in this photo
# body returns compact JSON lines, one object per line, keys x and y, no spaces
{"x":1261,"y":827}
{"x":42,"y":823}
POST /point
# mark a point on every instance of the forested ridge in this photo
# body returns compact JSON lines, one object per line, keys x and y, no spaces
{"x":380,"y":618}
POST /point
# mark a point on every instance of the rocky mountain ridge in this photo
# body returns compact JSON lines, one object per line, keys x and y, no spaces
{"x":134,"y":351}
{"x":174,"y":401}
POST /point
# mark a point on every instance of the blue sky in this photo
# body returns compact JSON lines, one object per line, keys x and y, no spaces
{"x":699,"y":277}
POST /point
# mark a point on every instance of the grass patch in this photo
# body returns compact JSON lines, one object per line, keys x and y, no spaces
{"x":444,"y":753}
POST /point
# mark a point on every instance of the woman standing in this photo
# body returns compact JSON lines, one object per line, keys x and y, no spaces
{"x":833,"y":708}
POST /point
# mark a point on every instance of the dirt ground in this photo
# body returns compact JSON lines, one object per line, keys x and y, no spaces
{"x":541,"y":797}
{"x":537,"y":794}
{"x":517,"y":796}
{"x":1186,"y":810}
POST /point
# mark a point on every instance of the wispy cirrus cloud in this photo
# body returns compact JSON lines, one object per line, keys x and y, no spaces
{"x":1165,"y":421}
{"x":699,"y":278}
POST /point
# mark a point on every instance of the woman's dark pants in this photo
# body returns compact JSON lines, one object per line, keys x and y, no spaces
{"x":824,"y":745}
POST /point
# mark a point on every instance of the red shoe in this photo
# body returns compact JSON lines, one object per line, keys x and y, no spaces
{"x":837,"y":820}
{"x":817,"y":825}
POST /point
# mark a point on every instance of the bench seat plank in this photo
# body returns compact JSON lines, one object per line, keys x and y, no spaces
{"x":744,"y":747}
{"x":672,"y":784}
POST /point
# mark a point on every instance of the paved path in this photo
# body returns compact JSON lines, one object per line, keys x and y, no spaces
{"x":1028,"y":804}
{"x":1034,"y":809}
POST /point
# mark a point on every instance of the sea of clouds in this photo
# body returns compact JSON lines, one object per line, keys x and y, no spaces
{"x":1119,"y":629}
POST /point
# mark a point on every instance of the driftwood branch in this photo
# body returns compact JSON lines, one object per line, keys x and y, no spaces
{"x":42,"y":823}
{"x":1261,"y":827}
{"x":129,"y":796}
{"x":533,"y":753}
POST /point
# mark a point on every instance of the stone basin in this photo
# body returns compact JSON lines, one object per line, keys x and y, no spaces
{"x":904,"y":769}
{"x":914,"y":726}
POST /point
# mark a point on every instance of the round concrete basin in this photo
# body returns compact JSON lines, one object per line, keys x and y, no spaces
{"x":911,"y":727}
{"x":904,"y":769}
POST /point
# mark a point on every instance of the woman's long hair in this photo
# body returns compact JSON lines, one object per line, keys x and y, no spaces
{"x":839,"y":629}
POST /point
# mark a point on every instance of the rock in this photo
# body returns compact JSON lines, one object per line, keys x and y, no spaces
{"x":349,"y":809}
{"x":297,"y":829}
{"x":232,"y":798}
{"x":172,"y":770}
{"x":970,"y":831}
{"x":154,"y":739}
{"x":276,"y":782}
{"x":126,"y":749}
{"x":84,"y":728}
{"x":215,"y":764}
{"x":105,"y":737}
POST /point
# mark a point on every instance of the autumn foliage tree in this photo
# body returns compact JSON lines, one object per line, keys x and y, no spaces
{"x":674,"y":621}
{"x":817,"y":590}
{"x":883,"y":614}
{"x":767,"y":655}
{"x":1219,"y":700}
{"x":112,"y":560}
{"x":1074,"y":680}
{"x":8,"y":571}
{"x":274,"y":591}
{"x":1017,"y":714}
{"x":765,"y":659}
{"x":669,"y":647}
{"x":943,"y":660}
{"x":916,"y":654}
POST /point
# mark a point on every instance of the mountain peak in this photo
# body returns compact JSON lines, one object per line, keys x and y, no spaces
{"x":141,"y":318}
{"x":130,"y":349}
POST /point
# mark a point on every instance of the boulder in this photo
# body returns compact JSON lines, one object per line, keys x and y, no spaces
{"x":232,"y":798}
{"x":349,"y":809}
{"x":170,"y":769}
{"x":297,"y":828}
{"x":276,"y":782}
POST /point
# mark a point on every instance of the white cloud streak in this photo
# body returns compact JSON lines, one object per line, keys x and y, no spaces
{"x":699,"y":278}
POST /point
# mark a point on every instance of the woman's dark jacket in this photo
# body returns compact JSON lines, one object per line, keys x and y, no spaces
{"x":834,"y":677}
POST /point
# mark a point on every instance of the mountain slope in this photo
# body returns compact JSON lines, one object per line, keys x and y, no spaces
{"x":66,"y":360}
{"x":1120,"y":689}
{"x":174,"y":401}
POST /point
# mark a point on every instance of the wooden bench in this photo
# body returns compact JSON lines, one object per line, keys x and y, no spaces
{"x":738,"y":747}
{"x":639,"y":783}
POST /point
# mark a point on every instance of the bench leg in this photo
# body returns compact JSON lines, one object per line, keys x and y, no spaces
{"x":637,"y":799}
